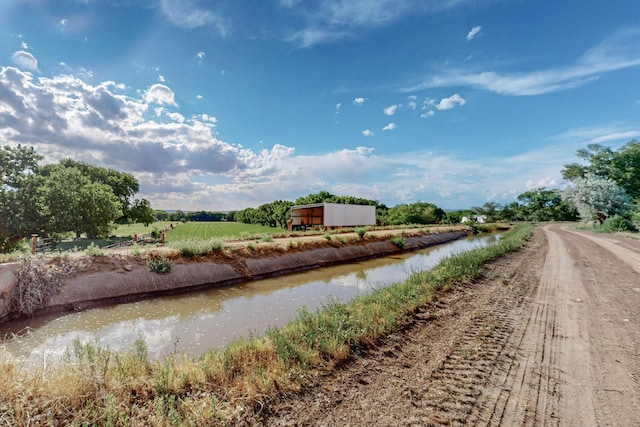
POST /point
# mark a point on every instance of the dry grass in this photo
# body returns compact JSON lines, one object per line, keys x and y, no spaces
{"x":38,"y":279}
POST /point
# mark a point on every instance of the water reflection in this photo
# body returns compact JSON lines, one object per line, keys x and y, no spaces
{"x":192,"y":323}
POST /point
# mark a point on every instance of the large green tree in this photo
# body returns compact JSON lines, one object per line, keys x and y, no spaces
{"x":69,"y":196}
{"x":621,"y":166}
{"x":17,"y":167}
{"x":73,"y":202}
{"x":123,"y":185}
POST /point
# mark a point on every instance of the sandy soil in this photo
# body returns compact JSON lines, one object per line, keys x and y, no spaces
{"x":549,"y":336}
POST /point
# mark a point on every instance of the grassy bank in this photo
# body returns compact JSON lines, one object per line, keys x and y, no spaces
{"x":96,"y":386}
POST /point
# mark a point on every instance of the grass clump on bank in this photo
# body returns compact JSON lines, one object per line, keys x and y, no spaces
{"x":97,"y":386}
{"x":159,"y":263}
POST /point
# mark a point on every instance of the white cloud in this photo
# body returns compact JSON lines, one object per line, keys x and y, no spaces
{"x":338,"y":106}
{"x":620,"y":51}
{"x":599,"y":134}
{"x":367,"y":132}
{"x":450,"y":102}
{"x":201,"y":55}
{"x":359,"y":100}
{"x":333,"y":20}
{"x":390,"y":126}
{"x":25,"y":60}
{"x":160,"y":94}
{"x":186,"y":14}
{"x":391,"y":110}
{"x":473,"y":32}
{"x":427,"y":114}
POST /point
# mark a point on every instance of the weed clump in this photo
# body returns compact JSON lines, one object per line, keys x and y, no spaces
{"x":94,"y":250}
{"x":398,"y":241}
{"x":159,"y":264}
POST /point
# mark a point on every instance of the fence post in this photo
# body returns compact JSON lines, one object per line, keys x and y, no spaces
{"x":163,"y":238}
{"x":34,"y":243}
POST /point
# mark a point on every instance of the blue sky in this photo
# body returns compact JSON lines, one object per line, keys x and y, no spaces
{"x":228,"y":104}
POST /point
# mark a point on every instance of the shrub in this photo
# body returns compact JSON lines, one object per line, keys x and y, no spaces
{"x":617,"y":223}
{"x":159,"y":264}
{"x":398,"y":241}
{"x":94,"y":250}
{"x":192,"y":248}
{"x":216,"y":245}
{"x":327,"y":236}
{"x":266,"y":238}
{"x":135,"y":249}
{"x":361,"y":231}
{"x":155,"y":233}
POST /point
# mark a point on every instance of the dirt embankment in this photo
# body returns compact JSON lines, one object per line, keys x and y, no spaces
{"x":115,"y":278}
{"x":549,"y":335}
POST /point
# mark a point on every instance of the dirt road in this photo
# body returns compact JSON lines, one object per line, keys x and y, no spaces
{"x":549,"y":336}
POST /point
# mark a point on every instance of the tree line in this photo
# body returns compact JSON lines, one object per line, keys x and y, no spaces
{"x":65,"y":197}
{"x":76,"y":197}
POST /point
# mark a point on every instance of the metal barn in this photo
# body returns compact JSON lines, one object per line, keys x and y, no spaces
{"x":330,"y":215}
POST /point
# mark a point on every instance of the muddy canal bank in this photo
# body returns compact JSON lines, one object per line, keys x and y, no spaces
{"x":115,"y":278}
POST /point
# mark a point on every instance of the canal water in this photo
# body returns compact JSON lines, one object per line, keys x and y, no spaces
{"x":195,"y":322}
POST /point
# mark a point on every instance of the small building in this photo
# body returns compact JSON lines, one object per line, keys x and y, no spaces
{"x":480,"y":219}
{"x":331,"y":215}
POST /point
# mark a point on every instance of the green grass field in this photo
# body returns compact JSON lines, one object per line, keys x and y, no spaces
{"x":218,"y":230}
{"x":128,"y":230}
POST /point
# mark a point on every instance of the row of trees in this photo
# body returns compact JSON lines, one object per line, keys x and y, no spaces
{"x":605,"y":184}
{"x":276,"y":214}
{"x":181,"y":216}
{"x":68,"y":196}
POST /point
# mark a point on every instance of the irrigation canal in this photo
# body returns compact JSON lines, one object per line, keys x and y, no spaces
{"x":195,"y":322}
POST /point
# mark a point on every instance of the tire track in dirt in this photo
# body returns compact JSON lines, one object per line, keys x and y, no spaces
{"x":565,"y":364}
{"x":611,"y":316}
{"x":549,"y":336}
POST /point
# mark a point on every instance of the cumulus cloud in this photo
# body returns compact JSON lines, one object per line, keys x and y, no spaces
{"x":25,"y":60}
{"x":473,"y":32}
{"x":367,"y":132}
{"x":66,"y":117}
{"x":450,"y":102}
{"x":427,"y":114}
{"x":160,"y":94}
{"x":390,"y":126}
{"x":391,"y":110}
{"x":201,"y":55}
{"x":359,"y":100}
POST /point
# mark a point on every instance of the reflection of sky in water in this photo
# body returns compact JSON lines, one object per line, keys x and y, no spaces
{"x":195,"y":322}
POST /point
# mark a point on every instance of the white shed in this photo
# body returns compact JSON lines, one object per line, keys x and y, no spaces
{"x":332,"y":215}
